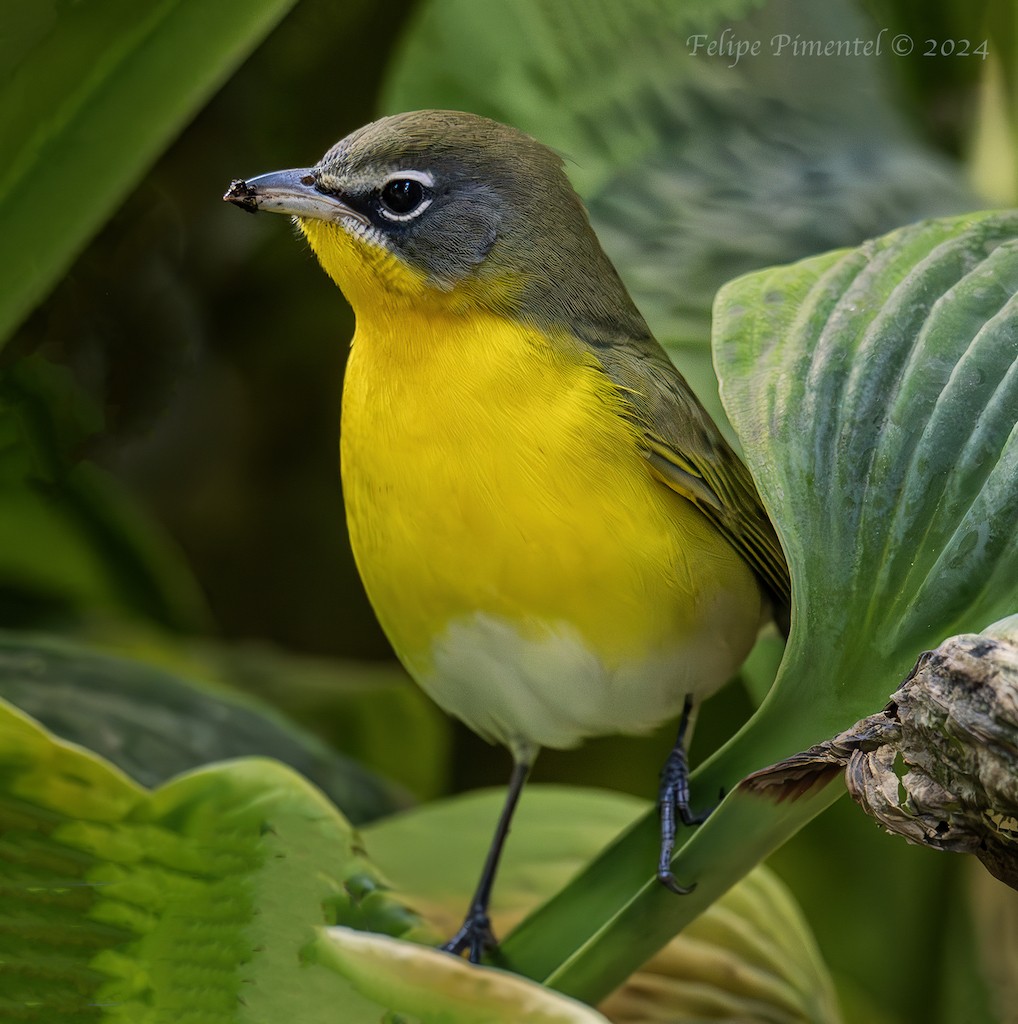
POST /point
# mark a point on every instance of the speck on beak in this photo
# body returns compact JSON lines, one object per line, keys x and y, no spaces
{"x":290,"y":192}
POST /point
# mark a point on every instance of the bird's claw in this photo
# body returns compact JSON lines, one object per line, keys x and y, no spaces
{"x":668,"y":880}
{"x":475,"y":936}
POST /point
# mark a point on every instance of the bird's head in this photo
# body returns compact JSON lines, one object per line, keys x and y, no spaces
{"x":450,"y":206}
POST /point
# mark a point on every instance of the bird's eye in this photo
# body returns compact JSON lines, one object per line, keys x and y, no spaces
{"x":403,"y":198}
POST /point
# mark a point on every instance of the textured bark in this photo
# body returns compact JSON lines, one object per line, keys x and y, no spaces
{"x":939,"y":765}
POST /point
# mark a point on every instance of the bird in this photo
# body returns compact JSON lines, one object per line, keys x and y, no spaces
{"x":554,"y":535}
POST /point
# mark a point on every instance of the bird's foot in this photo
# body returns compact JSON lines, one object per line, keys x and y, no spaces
{"x":673,"y":804}
{"x":475,"y":936}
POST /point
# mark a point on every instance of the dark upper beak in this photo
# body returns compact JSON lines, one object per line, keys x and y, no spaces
{"x":292,"y":192}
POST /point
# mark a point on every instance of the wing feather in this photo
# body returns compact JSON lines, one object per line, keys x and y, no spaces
{"x":688,"y":454}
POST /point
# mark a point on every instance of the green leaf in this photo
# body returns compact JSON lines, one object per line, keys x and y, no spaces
{"x":154,"y":724}
{"x":895,"y":362}
{"x":876,"y":393}
{"x":993,"y":144}
{"x":695,"y":169}
{"x":440,"y":989}
{"x":760,"y":668}
{"x":372,"y":711}
{"x":749,"y":956}
{"x":195,"y":902}
{"x":549,"y":76}
{"x":993,"y":917}
{"x":71,"y":540}
{"x":432,"y":854}
{"x":90,"y":94}
{"x":206,"y":900}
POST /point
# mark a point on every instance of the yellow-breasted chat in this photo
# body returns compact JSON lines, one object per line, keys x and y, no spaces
{"x":554,"y":535}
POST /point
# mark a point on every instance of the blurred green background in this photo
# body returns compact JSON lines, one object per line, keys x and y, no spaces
{"x":169,"y":478}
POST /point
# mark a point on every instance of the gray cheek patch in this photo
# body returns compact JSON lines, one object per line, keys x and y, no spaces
{"x":452,"y":240}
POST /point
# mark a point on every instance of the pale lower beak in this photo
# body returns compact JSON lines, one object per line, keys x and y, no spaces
{"x":291,"y":192}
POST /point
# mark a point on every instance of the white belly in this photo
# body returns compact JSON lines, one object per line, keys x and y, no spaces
{"x":554,"y":691}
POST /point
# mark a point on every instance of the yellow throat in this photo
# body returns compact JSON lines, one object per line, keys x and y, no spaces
{"x":530,"y":571}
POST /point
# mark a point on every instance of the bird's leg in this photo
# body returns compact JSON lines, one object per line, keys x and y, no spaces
{"x":673,"y":798}
{"x":476,"y":935}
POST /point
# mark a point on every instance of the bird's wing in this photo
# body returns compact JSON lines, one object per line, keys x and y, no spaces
{"x":687,"y":453}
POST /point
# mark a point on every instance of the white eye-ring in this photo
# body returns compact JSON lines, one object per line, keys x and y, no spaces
{"x":405,"y":195}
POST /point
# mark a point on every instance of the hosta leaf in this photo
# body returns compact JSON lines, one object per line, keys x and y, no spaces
{"x":436,"y":988}
{"x":194,"y":902}
{"x":89,"y":96}
{"x":897,"y":363}
{"x":153,"y":723}
{"x":694,"y":168}
{"x":369,"y":710}
{"x":750,"y":956}
{"x":876,"y":393}
{"x":432,"y":853}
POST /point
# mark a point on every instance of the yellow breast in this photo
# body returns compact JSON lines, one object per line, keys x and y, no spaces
{"x":524,"y":563}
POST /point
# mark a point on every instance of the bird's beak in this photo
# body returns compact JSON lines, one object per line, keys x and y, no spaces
{"x":291,"y":192}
